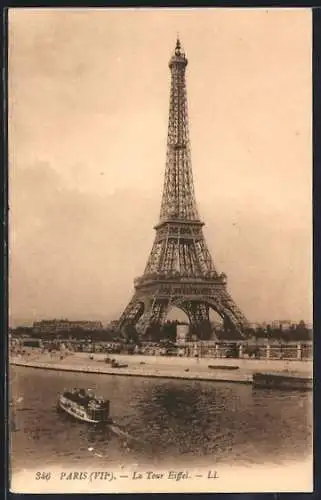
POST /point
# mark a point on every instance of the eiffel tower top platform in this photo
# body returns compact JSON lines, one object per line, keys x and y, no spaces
{"x":180,"y":270}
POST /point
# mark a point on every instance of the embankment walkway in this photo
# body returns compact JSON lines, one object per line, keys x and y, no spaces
{"x":167,"y":367}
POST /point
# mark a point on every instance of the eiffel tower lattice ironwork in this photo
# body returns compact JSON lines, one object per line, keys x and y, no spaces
{"x":180,"y":271}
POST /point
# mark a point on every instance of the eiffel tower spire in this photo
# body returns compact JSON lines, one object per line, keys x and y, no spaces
{"x":178,"y":200}
{"x":180,"y":271}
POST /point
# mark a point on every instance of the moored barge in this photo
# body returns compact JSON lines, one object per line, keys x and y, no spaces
{"x":282,"y":381}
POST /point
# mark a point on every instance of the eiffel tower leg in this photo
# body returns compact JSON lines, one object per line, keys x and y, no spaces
{"x":224,"y":305}
{"x":198,"y":312}
{"x":132,"y":312}
{"x":154,"y":314}
{"x":199,"y":319}
{"x":238,"y":316}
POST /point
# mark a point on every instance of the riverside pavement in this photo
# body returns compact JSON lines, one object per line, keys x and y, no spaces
{"x":164,"y":366}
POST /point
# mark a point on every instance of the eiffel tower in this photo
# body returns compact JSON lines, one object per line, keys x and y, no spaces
{"x":180,"y":271}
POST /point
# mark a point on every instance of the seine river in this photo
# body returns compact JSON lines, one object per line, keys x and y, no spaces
{"x":169,"y":422}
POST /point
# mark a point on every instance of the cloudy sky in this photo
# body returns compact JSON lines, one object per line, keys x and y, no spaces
{"x":88,"y":110}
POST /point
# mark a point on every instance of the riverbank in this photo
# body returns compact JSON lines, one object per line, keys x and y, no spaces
{"x":205,"y":369}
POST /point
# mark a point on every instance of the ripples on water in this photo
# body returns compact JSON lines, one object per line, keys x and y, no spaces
{"x":171,"y":422}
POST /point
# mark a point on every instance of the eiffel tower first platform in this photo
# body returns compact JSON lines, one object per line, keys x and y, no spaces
{"x":180,"y":271}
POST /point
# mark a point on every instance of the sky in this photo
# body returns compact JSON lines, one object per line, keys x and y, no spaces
{"x":88,"y":110}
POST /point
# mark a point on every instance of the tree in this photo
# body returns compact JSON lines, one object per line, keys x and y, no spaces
{"x":131,"y":334}
{"x":168,"y":331}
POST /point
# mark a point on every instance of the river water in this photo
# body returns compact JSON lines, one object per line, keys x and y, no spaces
{"x":170,"y":421}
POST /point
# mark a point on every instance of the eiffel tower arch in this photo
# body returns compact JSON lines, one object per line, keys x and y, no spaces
{"x":180,"y":270}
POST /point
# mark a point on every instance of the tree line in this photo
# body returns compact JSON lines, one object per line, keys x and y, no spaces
{"x":167,"y":331}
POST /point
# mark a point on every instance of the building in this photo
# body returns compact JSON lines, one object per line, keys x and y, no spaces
{"x":64,"y":325}
{"x":285,"y":324}
{"x":182,"y":333}
{"x":256,"y":325}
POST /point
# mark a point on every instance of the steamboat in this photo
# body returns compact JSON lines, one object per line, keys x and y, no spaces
{"x":83,"y":405}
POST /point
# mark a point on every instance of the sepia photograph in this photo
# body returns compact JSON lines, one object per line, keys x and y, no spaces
{"x":160,"y":250}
